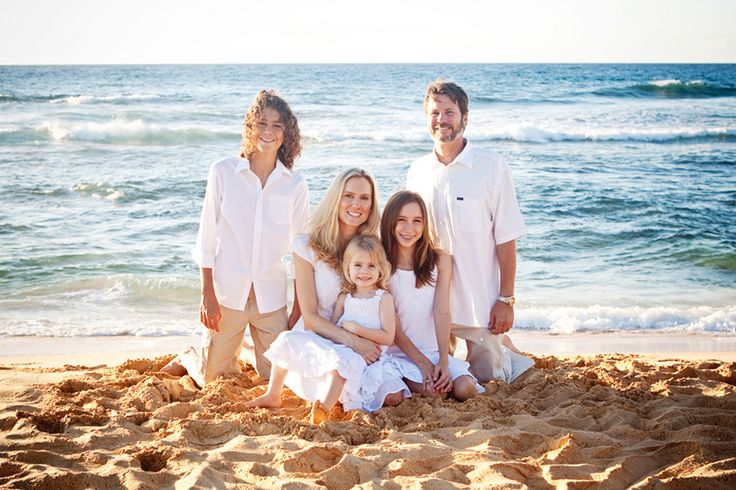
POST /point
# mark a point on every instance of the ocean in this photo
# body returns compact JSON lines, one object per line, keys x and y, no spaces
{"x":626,"y":176}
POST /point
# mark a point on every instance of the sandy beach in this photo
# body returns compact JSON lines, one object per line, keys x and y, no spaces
{"x":94,"y":413}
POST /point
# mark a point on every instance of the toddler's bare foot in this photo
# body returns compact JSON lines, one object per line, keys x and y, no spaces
{"x":266,"y":400}
{"x":174,"y":368}
{"x":319,"y":414}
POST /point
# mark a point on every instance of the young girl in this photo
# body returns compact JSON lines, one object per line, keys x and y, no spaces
{"x":319,"y":361}
{"x":365,"y":308}
{"x":421,"y":288}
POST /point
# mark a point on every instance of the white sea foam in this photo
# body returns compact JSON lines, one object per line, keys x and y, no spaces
{"x":596,"y":318}
{"x":124,"y":131}
{"x":671,"y":82}
{"x":531,"y":133}
{"x":92,"y":99}
{"x":100,"y":190}
{"x":665,"y":83}
{"x":535,"y":134}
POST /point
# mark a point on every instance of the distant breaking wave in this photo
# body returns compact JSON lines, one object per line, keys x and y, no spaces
{"x":165,"y":308}
{"x":108,"y":99}
{"x":77,"y":99}
{"x":565,"y":320}
{"x":528,"y":133}
{"x":139,"y":132}
{"x":135,"y":132}
{"x":669,"y":89}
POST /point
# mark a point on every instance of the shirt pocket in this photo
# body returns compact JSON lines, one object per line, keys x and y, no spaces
{"x":469,"y":215}
{"x":279,"y":209}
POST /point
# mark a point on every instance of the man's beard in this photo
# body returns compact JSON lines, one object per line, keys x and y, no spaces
{"x":454,"y":133}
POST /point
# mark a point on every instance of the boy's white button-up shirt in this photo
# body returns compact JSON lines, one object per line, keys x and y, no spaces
{"x":472,"y":208}
{"x":245,"y":230}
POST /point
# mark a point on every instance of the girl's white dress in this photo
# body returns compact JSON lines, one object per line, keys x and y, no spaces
{"x":383,"y":376}
{"x":310,"y":358}
{"x":415,"y":308}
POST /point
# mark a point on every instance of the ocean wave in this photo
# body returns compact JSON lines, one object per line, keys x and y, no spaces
{"x":127,"y":289}
{"x":106,"y":314}
{"x":529,"y":133}
{"x":125,"y":191}
{"x":101,"y":190}
{"x":104,"y":99}
{"x":669,"y":89}
{"x":135,"y":132}
{"x":78,"y":99}
{"x":597,"y":318}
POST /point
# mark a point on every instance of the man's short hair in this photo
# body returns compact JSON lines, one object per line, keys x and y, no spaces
{"x":450,"y":89}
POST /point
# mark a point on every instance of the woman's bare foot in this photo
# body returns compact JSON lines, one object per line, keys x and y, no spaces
{"x":174,"y":368}
{"x":266,"y":400}
{"x":319,"y":413}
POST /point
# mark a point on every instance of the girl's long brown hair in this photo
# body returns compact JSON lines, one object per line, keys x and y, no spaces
{"x":425,"y":255}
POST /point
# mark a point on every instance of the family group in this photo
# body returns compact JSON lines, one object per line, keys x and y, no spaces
{"x":380,"y":298}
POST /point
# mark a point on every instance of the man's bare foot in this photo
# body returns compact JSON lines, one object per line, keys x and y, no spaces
{"x":266,"y":400}
{"x":174,"y":368}
{"x":319,"y":413}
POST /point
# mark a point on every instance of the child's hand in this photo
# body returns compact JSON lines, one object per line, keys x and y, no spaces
{"x":350,"y":326}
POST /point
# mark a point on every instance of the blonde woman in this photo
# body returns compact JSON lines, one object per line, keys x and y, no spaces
{"x":318,"y":360}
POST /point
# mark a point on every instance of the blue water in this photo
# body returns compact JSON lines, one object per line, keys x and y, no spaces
{"x":626,"y":175}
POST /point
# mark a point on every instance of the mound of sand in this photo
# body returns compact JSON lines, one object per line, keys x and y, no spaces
{"x":609,"y":421}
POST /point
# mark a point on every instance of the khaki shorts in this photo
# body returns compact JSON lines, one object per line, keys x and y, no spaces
{"x":220,"y":351}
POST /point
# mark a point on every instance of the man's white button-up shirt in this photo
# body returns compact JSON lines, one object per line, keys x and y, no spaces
{"x":472,"y":208}
{"x":245,"y":230}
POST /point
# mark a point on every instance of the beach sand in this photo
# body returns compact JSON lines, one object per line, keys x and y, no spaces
{"x":94,"y":413}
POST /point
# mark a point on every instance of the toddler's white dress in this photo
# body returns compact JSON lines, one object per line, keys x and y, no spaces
{"x":383,"y":376}
{"x":310,"y":358}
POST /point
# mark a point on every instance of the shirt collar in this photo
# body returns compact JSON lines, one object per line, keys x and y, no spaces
{"x":279,"y":170}
{"x":464,"y":158}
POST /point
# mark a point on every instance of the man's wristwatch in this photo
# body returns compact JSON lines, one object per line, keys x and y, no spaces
{"x":509,"y":300}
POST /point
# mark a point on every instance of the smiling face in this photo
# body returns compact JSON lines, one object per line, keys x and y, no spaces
{"x":409,"y":225}
{"x":363,"y":271}
{"x":355,"y":204}
{"x":266,"y":135}
{"x":444,"y":119}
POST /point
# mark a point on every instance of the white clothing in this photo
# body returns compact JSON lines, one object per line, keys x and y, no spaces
{"x":472,"y":208}
{"x":245,"y":230}
{"x":383,"y":376}
{"x":415,"y":309}
{"x":363,"y":311}
{"x":310,"y":358}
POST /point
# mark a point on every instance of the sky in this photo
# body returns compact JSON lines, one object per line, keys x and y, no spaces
{"x":376,"y":31}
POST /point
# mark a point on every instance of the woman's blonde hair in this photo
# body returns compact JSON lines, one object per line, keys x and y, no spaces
{"x":324,"y":237}
{"x":372,"y":245}
{"x":291,"y":148}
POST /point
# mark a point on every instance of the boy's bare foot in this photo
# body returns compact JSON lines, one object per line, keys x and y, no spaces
{"x":174,"y":368}
{"x":319,"y":413}
{"x":266,"y":400}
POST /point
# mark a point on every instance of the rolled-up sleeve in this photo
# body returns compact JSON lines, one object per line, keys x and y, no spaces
{"x":205,"y":249}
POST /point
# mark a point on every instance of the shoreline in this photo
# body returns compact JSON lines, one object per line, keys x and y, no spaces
{"x":48,"y":352}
